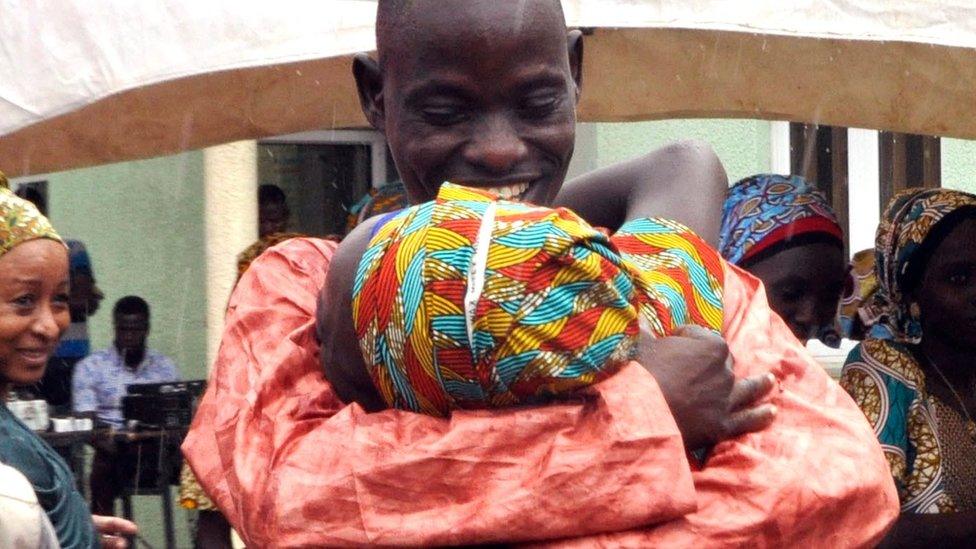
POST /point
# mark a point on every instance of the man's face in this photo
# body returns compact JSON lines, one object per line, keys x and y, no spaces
{"x":131,"y":331}
{"x":947,"y":292}
{"x":272,"y":218}
{"x":481,"y":94}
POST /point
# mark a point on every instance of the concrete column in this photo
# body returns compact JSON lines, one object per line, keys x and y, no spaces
{"x":863,"y":187}
{"x":231,"y":221}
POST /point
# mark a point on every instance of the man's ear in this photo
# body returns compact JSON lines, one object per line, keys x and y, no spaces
{"x":574,"y":41}
{"x":369,"y":84}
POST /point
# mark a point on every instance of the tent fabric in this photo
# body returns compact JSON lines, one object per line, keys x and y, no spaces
{"x":290,"y":465}
{"x":113,"y":80}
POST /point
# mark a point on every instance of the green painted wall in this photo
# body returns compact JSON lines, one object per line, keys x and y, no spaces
{"x":959,"y":164}
{"x":142,"y":223}
{"x":743,"y":145}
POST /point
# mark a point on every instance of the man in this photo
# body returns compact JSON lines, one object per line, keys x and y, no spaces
{"x":98,"y":385}
{"x":273,"y":211}
{"x":483,"y":93}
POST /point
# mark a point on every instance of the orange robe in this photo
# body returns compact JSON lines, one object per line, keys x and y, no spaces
{"x":289,"y":464}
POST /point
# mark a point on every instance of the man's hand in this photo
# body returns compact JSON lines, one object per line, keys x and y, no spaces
{"x":113,"y":529}
{"x":694,"y":371}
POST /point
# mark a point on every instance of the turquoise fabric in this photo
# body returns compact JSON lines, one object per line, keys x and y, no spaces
{"x":52,"y":480}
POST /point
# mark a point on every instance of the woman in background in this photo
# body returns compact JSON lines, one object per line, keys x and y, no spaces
{"x":781,"y":230}
{"x":33,"y":316}
{"x":918,"y":388}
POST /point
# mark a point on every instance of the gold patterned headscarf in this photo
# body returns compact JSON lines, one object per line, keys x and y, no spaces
{"x":20,"y":220}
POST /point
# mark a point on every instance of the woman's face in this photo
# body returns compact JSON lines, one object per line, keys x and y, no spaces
{"x":946,"y":295}
{"x":33,"y":308}
{"x":804,"y":285}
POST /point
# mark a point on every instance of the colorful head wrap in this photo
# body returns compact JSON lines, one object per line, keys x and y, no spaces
{"x":472,"y":302}
{"x":20,"y":220}
{"x":862,"y":283}
{"x":765,"y":210}
{"x":907,"y":222}
{"x":391,"y":197}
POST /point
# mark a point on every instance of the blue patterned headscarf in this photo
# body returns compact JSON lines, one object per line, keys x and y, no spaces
{"x":764,"y":210}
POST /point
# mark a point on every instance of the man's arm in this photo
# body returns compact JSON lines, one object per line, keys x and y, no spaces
{"x":682,"y":181}
{"x":170,"y":372}
{"x":84,"y":397}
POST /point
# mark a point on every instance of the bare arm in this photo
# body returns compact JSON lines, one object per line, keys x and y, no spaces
{"x":683,"y":181}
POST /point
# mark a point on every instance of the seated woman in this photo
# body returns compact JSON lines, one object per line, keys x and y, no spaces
{"x":781,"y":230}
{"x":919,"y":388}
{"x":33,"y":316}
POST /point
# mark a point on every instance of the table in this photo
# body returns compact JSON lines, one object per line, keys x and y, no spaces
{"x":73,"y":440}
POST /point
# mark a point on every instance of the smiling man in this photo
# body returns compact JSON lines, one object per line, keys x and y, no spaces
{"x":483,"y":93}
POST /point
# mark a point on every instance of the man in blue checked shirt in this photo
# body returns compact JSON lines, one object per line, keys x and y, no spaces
{"x":101,"y":380}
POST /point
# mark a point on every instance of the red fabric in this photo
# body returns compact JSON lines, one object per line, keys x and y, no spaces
{"x":807,"y":225}
{"x":290,"y":465}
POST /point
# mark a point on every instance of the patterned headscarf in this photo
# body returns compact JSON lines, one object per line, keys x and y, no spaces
{"x":907,"y":222}
{"x":20,"y":220}
{"x":472,"y":302}
{"x":764,"y":210}
{"x":855,"y":304}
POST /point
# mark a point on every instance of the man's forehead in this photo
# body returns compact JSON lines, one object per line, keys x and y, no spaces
{"x":435,"y":24}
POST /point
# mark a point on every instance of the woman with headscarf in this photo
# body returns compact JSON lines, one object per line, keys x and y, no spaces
{"x":918,"y":389}
{"x":783,"y":231}
{"x":33,"y":315}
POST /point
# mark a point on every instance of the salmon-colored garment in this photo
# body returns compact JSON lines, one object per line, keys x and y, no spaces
{"x":291,"y":465}
{"x":813,"y":479}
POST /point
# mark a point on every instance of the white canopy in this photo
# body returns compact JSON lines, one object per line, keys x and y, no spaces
{"x":111,"y":80}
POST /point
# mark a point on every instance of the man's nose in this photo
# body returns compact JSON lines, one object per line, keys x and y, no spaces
{"x":499,"y":149}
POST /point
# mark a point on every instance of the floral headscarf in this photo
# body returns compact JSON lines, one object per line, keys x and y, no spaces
{"x":856,"y":305}
{"x":764,"y":210}
{"x":468,"y":301}
{"x":20,"y":220}
{"x":907,"y":222}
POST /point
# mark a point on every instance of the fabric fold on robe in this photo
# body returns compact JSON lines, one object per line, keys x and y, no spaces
{"x":290,"y":465}
{"x":813,"y":479}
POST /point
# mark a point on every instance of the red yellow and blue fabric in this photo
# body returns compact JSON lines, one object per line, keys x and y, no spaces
{"x":473,"y":302}
{"x":764,"y":210}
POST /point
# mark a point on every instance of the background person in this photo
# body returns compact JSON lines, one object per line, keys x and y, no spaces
{"x":782,"y":230}
{"x":100,"y":382}
{"x":918,"y":389}
{"x":273,"y":212}
{"x":34,"y":303}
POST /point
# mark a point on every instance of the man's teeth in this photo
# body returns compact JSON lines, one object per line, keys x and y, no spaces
{"x":509,"y":192}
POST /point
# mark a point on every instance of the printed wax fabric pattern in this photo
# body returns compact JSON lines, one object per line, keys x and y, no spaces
{"x":764,"y":210}
{"x":20,"y":221}
{"x":473,"y":302}
{"x":887,"y":383}
{"x":907,"y":221}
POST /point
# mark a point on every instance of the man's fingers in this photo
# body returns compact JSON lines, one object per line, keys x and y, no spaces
{"x":746,"y":392}
{"x":114,"y":542}
{"x":750,"y":421}
{"x":114,"y":525}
